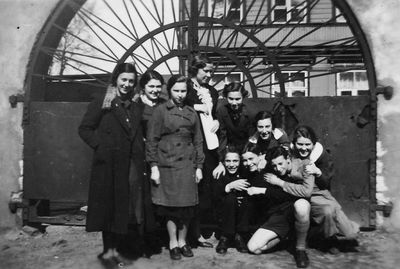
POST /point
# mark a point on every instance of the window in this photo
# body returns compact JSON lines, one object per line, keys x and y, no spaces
{"x":220,"y":79}
{"x":352,"y":83}
{"x":296,"y":84}
{"x":289,"y":11}
{"x":226,"y":9}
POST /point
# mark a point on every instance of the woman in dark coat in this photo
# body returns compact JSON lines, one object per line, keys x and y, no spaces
{"x":113,"y":129}
{"x":174,"y":152}
{"x":203,"y":98}
{"x":235,"y":122}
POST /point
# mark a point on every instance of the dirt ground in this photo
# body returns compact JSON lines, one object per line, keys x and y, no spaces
{"x":72,"y":247}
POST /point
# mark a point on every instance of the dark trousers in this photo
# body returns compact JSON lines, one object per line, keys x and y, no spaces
{"x":234,"y":215}
{"x":205,"y":210}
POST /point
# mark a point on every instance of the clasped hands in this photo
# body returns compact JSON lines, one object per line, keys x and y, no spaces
{"x":155,"y":175}
{"x":243,"y":185}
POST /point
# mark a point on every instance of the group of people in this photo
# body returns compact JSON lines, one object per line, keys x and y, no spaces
{"x":155,"y":162}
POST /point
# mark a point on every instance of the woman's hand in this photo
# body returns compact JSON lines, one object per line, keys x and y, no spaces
{"x":255,"y":191}
{"x":199,"y":175}
{"x":239,"y":185}
{"x":215,"y":126}
{"x":312,"y":169}
{"x":273,"y":179}
{"x":219,"y":170}
{"x":201,"y":108}
{"x":155,"y":175}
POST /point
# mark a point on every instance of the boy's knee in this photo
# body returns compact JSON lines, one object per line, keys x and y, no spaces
{"x":302,"y":209}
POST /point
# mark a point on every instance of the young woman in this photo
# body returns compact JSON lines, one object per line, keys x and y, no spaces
{"x":233,"y":204}
{"x":235,"y":122}
{"x":266,"y":135}
{"x":203,"y":98}
{"x":326,"y":212}
{"x":112,"y":128}
{"x":174,"y":152}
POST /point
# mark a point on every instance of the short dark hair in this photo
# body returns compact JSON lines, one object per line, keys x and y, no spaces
{"x":199,"y":61}
{"x":175,"y":79}
{"x":306,"y":132}
{"x":123,"y":68}
{"x":230,"y":149}
{"x":262,"y":115}
{"x":275,"y":152}
{"x":234,"y":86}
{"x":251,"y":147}
{"x":149,"y":75}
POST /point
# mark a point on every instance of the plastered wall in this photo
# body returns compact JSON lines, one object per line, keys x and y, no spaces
{"x":21,"y":21}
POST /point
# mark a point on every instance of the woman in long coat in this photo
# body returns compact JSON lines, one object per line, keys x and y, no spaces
{"x":112,"y":129}
{"x":174,"y":152}
{"x":203,"y":98}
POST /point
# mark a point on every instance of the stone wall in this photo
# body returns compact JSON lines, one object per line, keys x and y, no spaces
{"x":21,"y":21}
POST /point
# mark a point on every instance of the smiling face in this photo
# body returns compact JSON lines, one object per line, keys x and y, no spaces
{"x":264,"y":128}
{"x":250,"y":161}
{"x":281,"y":165}
{"x":231,"y":162}
{"x":178,"y":92}
{"x":152,"y":89}
{"x":125,"y":83}
{"x":304,"y":146}
{"x":235,"y":100}
{"x":204,"y":74}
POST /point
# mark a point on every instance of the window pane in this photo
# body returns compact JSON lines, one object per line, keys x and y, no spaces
{"x":280,"y":15}
{"x":298,"y":79}
{"x":234,"y":15}
{"x":346,"y":80}
{"x":280,"y":2}
{"x":234,"y":4}
{"x":346,"y":93}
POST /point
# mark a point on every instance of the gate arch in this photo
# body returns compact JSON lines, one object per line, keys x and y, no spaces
{"x":276,"y":48}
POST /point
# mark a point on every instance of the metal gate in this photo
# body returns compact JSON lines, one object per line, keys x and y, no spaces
{"x":290,"y":54}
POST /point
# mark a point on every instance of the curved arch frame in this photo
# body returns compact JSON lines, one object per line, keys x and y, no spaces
{"x":62,"y":14}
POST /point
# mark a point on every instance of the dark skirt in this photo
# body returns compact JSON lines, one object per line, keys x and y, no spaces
{"x":179,"y":215}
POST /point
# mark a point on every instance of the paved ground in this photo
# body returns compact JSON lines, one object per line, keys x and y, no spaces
{"x":72,"y":247}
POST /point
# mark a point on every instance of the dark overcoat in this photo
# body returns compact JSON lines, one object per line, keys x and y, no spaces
{"x":233,"y":133}
{"x":174,"y":144}
{"x":116,"y":137}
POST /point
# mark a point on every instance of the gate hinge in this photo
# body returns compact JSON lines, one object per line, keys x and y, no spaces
{"x":16,"y":98}
{"x":387,"y":91}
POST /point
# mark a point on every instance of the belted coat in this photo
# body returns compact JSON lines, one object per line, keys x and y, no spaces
{"x":115,"y":135}
{"x":174,"y":144}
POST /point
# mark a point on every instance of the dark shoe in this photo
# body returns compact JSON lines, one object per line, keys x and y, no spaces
{"x":204,"y":244}
{"x":186,"y":251}
{"x":301,"y":258}
{"x":175,"y":253}
{"x":107,"y":263}
{"x":121,"y":261}
{"x":222,"y":246}
{"x":240,"y":244}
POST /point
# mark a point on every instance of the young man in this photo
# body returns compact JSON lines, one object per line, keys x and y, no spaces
{"x":288,"y":177}
{"x":290,"y":174}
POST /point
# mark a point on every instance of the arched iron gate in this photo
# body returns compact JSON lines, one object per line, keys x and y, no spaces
{"x":265,"y":44}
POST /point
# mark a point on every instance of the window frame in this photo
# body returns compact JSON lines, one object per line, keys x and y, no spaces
{"x":289,"y":90}
{"x":354,"y":91}
{"x":228,"y":9}
{"x":288,"y":6}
